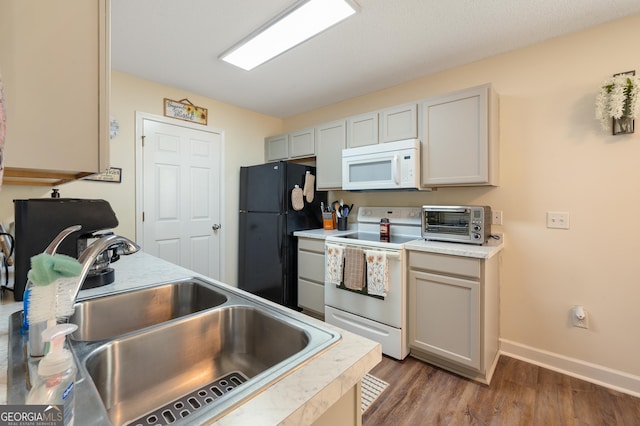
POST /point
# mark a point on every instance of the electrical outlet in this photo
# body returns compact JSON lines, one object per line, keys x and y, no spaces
{"x":497,"y":217}
{"x":580,"y":317}
{"x":558,"y":220}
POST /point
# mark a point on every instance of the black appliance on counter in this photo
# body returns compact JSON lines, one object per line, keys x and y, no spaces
{"x":267,"y":257}
{"x":39,"y":220}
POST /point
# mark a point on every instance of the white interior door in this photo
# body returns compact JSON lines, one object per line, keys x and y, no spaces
{"x":181,"y":195}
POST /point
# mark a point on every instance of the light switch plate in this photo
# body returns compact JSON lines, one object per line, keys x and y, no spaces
{"x":558,"y":220}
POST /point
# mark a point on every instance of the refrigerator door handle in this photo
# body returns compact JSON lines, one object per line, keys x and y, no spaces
{"x":281,"y":239}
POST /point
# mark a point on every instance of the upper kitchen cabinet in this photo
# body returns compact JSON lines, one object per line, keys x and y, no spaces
{"x":276,"y":147}
{"x":54,"y":59}
{"x":460,"y":138}
{"x":398,"y":123}
{"x":302,"y":143}
{"x":386,"y":125}
{"x":330,"y":141}
{"x":362,"y":130}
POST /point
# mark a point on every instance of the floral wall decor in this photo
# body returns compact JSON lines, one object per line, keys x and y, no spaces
{"x":617,"y":103}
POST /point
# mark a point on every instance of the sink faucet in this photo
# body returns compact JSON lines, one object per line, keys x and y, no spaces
{"x":121,"y":245}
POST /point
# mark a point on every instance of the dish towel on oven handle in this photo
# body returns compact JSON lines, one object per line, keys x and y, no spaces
{"x":354,"y":268}
{"x":333,"y":264}
{"x":377,"y":273}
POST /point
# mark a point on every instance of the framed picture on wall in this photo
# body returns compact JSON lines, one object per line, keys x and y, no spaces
{"x":112,"y":174}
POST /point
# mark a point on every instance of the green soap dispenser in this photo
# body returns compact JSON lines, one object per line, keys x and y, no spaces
{"x":56,"y":373}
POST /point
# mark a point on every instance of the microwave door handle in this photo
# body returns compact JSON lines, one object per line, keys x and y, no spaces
{"x":395,"y":169}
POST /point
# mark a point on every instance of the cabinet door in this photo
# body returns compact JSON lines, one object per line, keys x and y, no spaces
{"x":455,"y":140}
{"x":55,"y":64}
{"x":444,"y":317}
{"x":398,"y":123}
{"x":363,"y":130}
{"x":331,"y":140}
{"x":302,"y":143}
{"x":276,"y":147}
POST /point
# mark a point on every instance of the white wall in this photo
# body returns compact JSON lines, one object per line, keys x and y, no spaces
{"x":554,"y":157}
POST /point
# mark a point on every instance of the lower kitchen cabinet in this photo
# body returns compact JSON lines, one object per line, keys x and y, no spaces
{"x":454,"y":313}
{"x":311,"y":276}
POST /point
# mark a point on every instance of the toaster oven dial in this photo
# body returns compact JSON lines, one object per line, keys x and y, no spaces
{"x":477,"y":236}
{"x":477,"y":228}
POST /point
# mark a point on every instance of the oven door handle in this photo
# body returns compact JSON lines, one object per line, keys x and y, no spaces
{"x":395,"y":255}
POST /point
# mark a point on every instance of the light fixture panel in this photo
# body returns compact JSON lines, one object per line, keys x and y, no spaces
{"x":299,"y":23}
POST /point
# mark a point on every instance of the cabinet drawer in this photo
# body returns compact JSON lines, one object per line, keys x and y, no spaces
{"x":451,"y":265}
{"x":311,"y":295}
{"x":311,"y":266}
{"x":311,"y":244}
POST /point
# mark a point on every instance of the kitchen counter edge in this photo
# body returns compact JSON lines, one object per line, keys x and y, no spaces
{"x":321,"y":234}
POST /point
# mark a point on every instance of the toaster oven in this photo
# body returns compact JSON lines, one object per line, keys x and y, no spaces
{"x":460,"y":224}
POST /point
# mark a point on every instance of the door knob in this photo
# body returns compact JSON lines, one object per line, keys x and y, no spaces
{"x":216,"y":226}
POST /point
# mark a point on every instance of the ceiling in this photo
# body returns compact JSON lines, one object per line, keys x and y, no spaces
{"x":177,"y":43}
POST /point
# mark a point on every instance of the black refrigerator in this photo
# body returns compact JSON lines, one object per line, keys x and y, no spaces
{"x":267,"y":255}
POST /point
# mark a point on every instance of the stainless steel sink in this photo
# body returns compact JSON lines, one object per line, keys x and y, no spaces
{"x":136,"y":374}
{"x":110,"y":316}
{"x":211,"y":348}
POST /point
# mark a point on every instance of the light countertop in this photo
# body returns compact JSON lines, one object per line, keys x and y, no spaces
{"x":485,"y":251}
{"x":299,"y":398}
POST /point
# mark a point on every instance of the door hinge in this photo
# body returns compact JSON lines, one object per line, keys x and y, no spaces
{"x":143,"y":216}
{"x":143,"y":136}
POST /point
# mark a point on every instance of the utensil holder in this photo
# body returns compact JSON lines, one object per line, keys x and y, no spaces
{"x":343,"y":223}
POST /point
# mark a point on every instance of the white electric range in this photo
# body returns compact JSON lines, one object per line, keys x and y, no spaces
{"x":382,"y":319}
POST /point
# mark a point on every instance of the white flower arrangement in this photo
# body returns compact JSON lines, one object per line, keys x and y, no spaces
{"x":618,"y":98}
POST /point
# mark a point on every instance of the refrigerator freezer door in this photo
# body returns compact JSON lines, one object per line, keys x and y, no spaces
{"x":262,"y":188}
{"x":262,"y":261}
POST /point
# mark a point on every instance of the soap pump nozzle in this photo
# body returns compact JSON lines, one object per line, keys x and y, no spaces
{"x":57,"y":359}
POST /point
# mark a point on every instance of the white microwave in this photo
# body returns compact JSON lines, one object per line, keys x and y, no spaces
{"x":391,"y":165}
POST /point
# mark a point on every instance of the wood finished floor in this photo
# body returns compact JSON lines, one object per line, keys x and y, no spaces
{"x":520,"y":394}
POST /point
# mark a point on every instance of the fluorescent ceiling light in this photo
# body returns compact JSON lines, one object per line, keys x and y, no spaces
{"x":302,"y":21}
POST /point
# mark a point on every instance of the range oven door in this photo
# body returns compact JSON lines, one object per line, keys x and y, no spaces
{"x":381,"y":320}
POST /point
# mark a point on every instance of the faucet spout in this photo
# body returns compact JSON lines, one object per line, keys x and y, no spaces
{"x":122,"y":245}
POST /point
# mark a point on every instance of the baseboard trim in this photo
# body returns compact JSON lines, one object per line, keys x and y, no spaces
{"x":597,"y":374}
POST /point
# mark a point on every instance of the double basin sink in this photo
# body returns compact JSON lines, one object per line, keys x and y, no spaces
{"x":183,"y":352}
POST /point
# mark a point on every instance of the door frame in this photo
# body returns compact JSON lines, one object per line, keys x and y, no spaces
{"x":140,"y":117}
